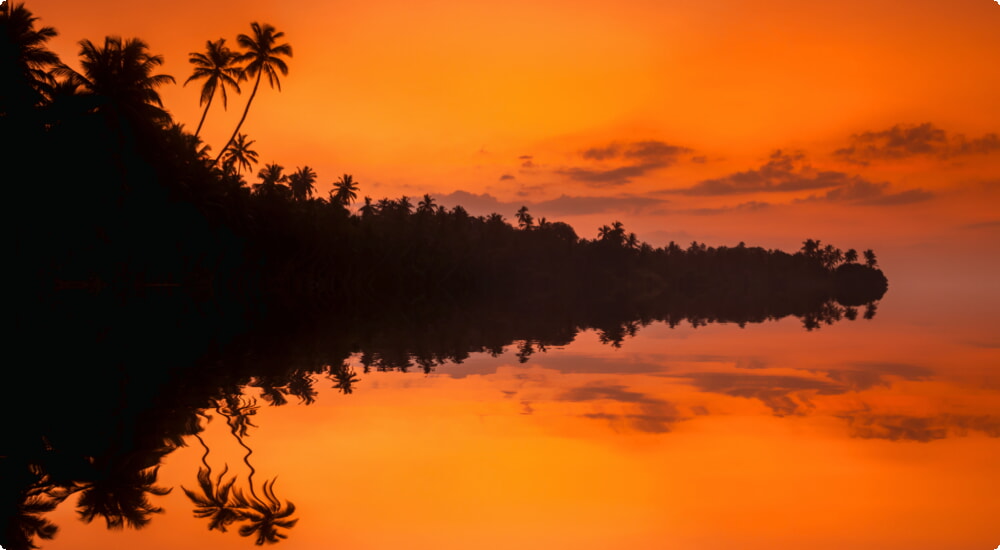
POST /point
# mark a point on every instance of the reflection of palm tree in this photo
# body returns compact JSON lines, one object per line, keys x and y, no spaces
{"x":218,"y":67}
{"x":263,"y":56}
{"x":266,"y":517}
{"x":29,"y":522}
{"x":215,"y":501}
{"x":344,"y":378}
{"x":120,"y":496}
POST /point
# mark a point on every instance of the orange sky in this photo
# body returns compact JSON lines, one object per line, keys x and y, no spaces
{"x":666,"y":115}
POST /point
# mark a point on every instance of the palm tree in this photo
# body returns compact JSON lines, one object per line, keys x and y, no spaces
{"x":870,"y":260}
{"x":347,"y":190}
{"x":524,"y":219}
{"x":119,"y":495}
{"x":301,"y":181}
{"x":215,"y":500}
{"x":24,"y":59}
{"x":120,"y":73}
{"x":263,"y":56}
{"x":240,"y":154}
{"x":218,"y":67}
{"x":368,"y":209}
{"x":266,"y":517}
{"x":426,"y":205}
{"x":270,"y":176}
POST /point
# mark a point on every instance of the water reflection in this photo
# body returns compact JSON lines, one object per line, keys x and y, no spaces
{"x":104,"y":439}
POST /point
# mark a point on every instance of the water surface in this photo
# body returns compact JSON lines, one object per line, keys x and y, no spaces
{"x":865,"y":434}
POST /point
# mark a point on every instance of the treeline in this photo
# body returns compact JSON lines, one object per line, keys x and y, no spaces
{"x":114,"y":195}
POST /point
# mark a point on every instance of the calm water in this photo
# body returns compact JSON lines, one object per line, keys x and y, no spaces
{"x":880,"y":433}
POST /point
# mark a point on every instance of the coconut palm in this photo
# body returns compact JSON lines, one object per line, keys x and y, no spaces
{"x":240,"y":154}
{"x":266,"y":516}
{"x":301,"y":181}
{"x":347,"y":190}
{"x":24,"y":59}
{"x":217,"y":66}
{"x":426,"y":205}
{"x":121,"y":74}
{"x":216,"y":500}
{"x":120,"y":495}
{"x":263,"y":55}
{"x":270,"y":176}
{"x":524,"y":219}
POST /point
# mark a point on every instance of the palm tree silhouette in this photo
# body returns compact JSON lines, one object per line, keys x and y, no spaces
{"x":119,"y":494}
{"x":218,"y":67}
{"x":120,"y":73}
{"x":24,"y":59}
{"x":240,"y":154}
{"x":217,"y":499}
{"x":524,"y":219}
{"x":347,"y":190}
{"x":263,"y":56}
{"x":270,"y":176}
{"x":426,"y":205}
{"x":301,"y":181}
{"x":266,"y":516}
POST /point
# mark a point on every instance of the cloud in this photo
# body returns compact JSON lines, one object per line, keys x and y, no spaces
{"x":865,"y":192}
{"x":991,"y":224}
{"x":639,"y":157}
{"x":904,"y":141}
{"x":654,"y":415}
{"x":749,"y":206}
{"x":783,"y":172}
{"x":506,"y":177}
{"x":866,"y":375}
{"x":774,"y":391}
{"x":923,"y":429}
{"x":566,"y":205}
{"x":613,"y":176}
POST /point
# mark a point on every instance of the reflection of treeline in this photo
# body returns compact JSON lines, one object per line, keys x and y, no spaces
{"x":136,"y":378}
{"x":133,"y":201}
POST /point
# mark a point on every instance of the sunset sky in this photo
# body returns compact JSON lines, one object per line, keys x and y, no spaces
{"x":864,"y":123}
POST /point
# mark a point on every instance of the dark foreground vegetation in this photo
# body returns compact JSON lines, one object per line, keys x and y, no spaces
{"x":160,"y":282}
{"x":133,"y":201}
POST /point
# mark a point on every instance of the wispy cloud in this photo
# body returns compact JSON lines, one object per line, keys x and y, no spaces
{"x":629,"y":160}
{"x":875,"y":194}
{"x":783,"y":172}
{"x":653,"y":415}
{"x":903,"y":141}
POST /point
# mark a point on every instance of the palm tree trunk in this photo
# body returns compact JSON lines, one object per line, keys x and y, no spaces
{"x":243,"y":118}
{"x":203,"y":115}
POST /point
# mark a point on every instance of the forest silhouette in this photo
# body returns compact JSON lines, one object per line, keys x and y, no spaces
{"x":174,"y":280}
